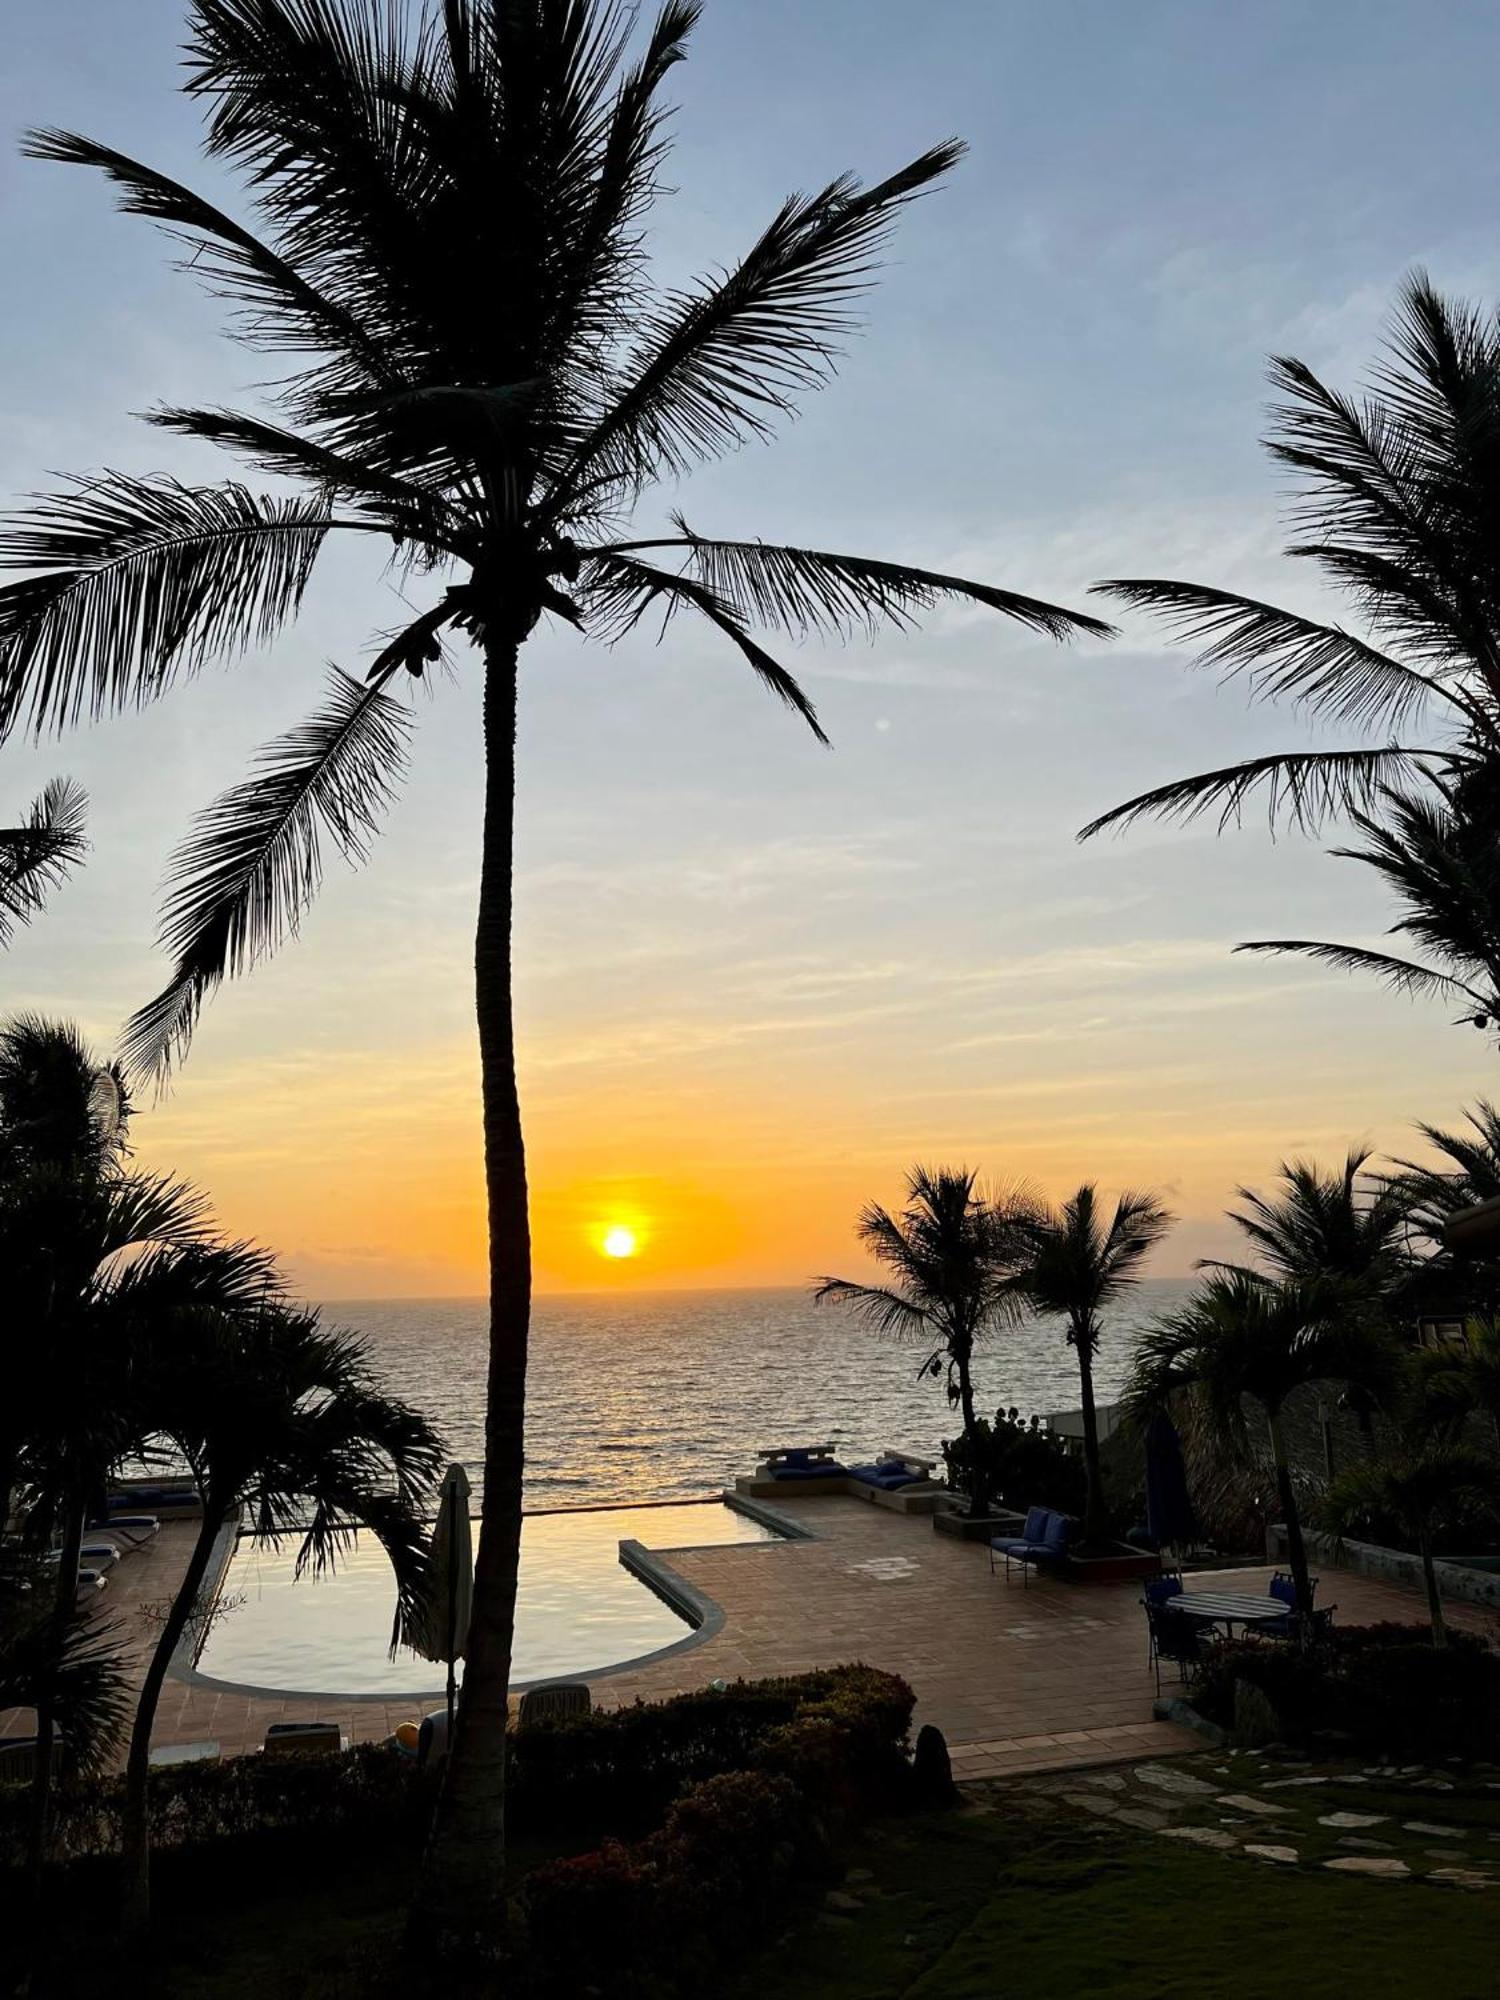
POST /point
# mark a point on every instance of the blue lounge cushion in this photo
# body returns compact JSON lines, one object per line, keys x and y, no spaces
{"x":868,"y":1475}
{"x":1056,"y":1536}
{"x":823,"y":1468}
{"x":1036,"y":1524}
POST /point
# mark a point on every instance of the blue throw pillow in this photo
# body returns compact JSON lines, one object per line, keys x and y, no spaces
{"x":1036,"y":1524}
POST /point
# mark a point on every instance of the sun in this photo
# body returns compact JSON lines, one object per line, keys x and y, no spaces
{"x":619,"y":1242}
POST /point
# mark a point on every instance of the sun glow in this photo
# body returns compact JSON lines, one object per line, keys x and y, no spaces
{"x":619,"y":1242}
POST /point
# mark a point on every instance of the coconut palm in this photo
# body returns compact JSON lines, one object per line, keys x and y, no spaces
{"x":280,"y":1421}
{"x":449,"y":208}
{"x":1465,"y":1171}
{"x":955,"y":1256}
{"x":1345,"y":1224}
{"x":1399,"y":492}
{"x":1080,"y":1261}
{"x":37,"y":854}
{"x":1246,"y":1337}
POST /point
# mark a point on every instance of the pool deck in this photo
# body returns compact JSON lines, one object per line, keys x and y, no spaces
{"x":1018,"y":1678}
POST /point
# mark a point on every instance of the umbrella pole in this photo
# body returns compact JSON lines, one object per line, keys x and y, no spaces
{"x":452,"y":1611}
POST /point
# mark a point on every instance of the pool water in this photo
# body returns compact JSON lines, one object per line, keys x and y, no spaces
{"x":578,"y":1609}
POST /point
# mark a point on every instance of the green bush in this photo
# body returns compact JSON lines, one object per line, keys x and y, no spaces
{"x":1026,"y":1465}
{"x":618,"y":1770}
{"x":367,"y":1793}
{"x":653,"y":1918}
{"x":1381,"y":1687}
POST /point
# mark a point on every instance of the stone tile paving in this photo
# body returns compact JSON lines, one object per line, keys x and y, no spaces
{"x":1246,"y":1805}
{"x":1050,"y":1676}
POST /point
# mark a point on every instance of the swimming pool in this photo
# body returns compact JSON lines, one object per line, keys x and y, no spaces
{"x":578,"y":1609}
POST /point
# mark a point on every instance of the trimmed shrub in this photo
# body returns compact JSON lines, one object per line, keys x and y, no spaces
{"x":1381,"y":1687}
{"x":618,"y":1770}
{"x":653,"y":1918}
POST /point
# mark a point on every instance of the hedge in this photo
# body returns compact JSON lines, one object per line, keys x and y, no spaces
{"x":612,"y":1771}
{"x":653,"y":1918}
{"x":1382,"y":1688}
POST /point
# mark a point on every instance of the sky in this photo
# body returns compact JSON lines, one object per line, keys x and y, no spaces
{"x":756,"y":979}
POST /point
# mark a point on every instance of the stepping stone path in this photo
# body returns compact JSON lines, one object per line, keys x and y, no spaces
{"x":1107,"y":1781}
{"x":1369,"y":1864}
{"x":1287,"y":1856}
{"x":1244,"y":1802}
{"x":1202,"y":1836}
{"x":1364,"y":1843}
{"x":1433,"y":1832}
{"x":1288,"y":1784}
{"x":1462,"y":1878}
{"x":1143,"y":1817}
{"x":1350,"y":1819}
{"x":1089,"y":1802}
{"x":1165,"y":1778}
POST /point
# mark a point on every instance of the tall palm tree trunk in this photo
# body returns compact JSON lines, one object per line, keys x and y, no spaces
{"x":46,"y":1724}
{"x":463,"y":1893}
{"x":979,"y":1468}
{"x":1296,"y":1551}
{"x":1093,"y":1504}
{"x":1429,"y":1574}
{"x":135,"y":1885}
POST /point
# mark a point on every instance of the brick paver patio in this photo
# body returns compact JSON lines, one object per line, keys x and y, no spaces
{"x":1017,"y":1678}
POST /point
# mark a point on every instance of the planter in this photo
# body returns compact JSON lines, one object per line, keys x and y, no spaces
{"x":948,"y":1520}
{"x":1119,"y":1564}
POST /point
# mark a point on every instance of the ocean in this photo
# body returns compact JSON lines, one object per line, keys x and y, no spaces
{"x":669,"y":1395}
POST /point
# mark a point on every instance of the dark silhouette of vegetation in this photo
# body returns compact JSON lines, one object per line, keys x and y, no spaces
{"x":955,"y":1256}
{"x":1025,"y":1464}
{"x":1081,"y":1261}
{"x":36,"y":855}
{"x":448,"y":255}
{"x":1399,"y":495}
{"x":1246,"y":1337}
{"x":281,"y":1423}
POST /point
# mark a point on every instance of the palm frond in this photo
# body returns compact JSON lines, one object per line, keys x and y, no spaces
{"x":36,"y":856}
{"x":810,"y":591}
{"x":1325,"y":669}
{"x":716,"y":364}
{"x":1305,"y":787}
{"x":620,"y":590}
{"x":138,"y":579}
{"x":884,"y":1310}
{"x":1403,"y":974}
{"x":253,"y":861}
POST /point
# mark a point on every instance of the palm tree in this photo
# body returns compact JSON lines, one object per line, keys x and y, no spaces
{"x":955,"y":1256}
{"x":1345,"y":1224}
{"x":1245,"y":1337}
{"x":37,"y":854}
{"x":1467,"y":1170}
{"x":99,"y":1259}
{"x":406,"y":164}
{"x":1078,"y":1264}
{"x":1425,"y":1473}
{"x":281,"y":1420}
{"x":1399,"y":492}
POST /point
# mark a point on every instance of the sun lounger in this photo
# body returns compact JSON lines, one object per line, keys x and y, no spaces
{"x":796,"y":1463}
{"x":90,"y":1583}
{"x":131,"y":1529}
{"x":555,"y":1700}
{"x":296,"y":1737}
{"x":176,"y":1499}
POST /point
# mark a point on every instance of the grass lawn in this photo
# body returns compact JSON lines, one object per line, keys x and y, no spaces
{"x":1030,"y":1901}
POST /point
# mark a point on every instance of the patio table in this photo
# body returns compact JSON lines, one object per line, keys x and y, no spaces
{"x":1227,"y":1607}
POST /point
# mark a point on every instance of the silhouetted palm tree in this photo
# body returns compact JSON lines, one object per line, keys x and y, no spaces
{"x":1079,"y":1262}
{"x":98,"y":1258}
{"x":37,"y":854}
{"x":1467,"y":1170}
{"x":1349,"y":1224}
{"x":450,"y":208}
{"x":1425,"y":1473}
{"x":282,"y":1421}
{"x":955,"y":1256}
{"x":1242,"y":1336}
{"x":1400,"y":495}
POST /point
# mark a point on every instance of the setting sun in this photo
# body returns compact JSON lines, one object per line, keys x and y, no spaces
{"x":619,"y":1242}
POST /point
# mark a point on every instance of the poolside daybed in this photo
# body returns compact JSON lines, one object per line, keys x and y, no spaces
{"x":896,"y":1479}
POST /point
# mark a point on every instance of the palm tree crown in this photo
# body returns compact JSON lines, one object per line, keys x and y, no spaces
{"x":1400,"y":492}
{"x":449,"y":206}
{"x":37,"y":854}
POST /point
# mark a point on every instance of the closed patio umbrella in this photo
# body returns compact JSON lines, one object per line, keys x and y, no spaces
{"x":1169,"y":1506}
{"x":443,"y":1628}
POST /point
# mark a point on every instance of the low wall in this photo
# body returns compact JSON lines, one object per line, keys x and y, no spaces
{"x":1455,"y":1580}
